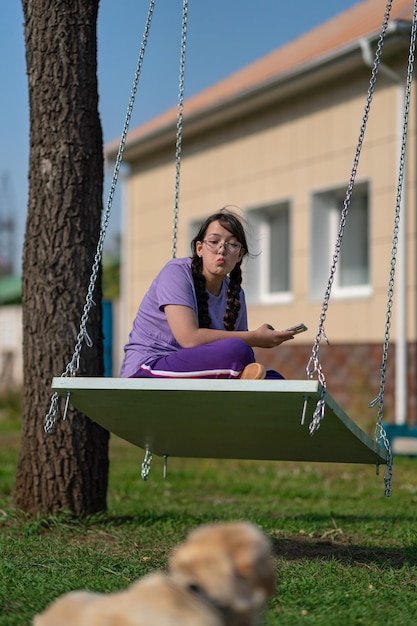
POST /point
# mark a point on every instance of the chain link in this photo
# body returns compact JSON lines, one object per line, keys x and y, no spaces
{"x":313,"y":366}
{"x":73,"y":366}
{"x":178,"y":143}
{"x":146,"y":465}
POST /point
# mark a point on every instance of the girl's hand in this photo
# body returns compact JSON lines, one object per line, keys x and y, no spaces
{"x":268,"y":337}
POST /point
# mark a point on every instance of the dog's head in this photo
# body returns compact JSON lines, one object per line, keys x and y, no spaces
{"x":230,"y":565}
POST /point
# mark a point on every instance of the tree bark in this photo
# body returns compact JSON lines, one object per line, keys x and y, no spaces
{"x":68,"y":469}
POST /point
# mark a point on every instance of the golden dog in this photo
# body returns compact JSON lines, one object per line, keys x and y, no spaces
{"x":221,"y":575}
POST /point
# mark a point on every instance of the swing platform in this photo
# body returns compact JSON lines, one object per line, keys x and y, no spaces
{"x":227,"y":419}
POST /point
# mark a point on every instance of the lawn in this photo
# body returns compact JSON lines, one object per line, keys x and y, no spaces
{"x":344,"y":553}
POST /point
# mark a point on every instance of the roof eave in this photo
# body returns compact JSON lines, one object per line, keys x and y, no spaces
{"x":319,"y":70}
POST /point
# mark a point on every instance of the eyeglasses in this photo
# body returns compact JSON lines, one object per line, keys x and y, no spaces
{"x":230,"y":246}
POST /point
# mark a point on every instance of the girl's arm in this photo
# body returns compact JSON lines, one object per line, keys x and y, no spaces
{"x":184,"y":326}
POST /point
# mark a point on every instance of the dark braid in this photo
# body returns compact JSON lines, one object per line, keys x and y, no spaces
{"x":233,"y":299}
{"x":204,"y":320}
{"x":232,"y":223}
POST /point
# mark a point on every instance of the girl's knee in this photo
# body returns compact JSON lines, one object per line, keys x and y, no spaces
{"x":240,"y":350}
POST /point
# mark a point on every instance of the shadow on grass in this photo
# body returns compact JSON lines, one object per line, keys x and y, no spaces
{"x":329,"y":546}
{"x":301,"y":548}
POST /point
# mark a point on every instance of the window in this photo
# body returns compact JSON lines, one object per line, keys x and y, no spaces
{"x":269,"y":271}
{"x":352,"y":278}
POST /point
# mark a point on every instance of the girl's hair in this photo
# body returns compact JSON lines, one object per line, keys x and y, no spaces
{"x":232,"y":223}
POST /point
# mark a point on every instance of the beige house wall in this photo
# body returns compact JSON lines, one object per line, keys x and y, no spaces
{"x":11,"y":342}
{"x":284,"y":153}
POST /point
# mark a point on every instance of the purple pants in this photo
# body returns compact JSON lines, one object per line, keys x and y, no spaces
{"x":225,"y":358}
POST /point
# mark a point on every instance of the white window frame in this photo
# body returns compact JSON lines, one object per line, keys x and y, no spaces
{"x":259,"y":266}
{"x":325,"y":222}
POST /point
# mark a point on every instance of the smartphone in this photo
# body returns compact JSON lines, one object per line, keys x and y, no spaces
{"x":298,"y":328}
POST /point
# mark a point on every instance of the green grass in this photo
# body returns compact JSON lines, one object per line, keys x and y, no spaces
{"x":344,"y":553}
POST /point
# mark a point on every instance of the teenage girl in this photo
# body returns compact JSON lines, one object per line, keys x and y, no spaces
{"x":192,"y":322}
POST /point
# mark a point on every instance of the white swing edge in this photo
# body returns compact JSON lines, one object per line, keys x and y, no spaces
{"x":218,"y":418}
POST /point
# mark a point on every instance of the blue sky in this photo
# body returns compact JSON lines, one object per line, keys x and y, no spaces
{"x":222,"y":37}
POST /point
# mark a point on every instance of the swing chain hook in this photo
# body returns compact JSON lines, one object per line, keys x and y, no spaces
{"x":146,"y":464}
{"x":50,"y":419}
{"x":320,"y":409}
{"x":314,"y":367}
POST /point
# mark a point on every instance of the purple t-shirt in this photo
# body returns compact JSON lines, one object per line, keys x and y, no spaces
{"x":151,"y":336}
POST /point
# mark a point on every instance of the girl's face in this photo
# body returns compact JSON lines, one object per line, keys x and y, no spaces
{"x":220,"y":251}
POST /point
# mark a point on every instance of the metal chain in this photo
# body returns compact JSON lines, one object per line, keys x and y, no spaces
{"x":178,"y":144}
{"x":146,"y":465}
{"x":73,"y":366}
{"x":380,"y":434}
{"x":313,"y":366}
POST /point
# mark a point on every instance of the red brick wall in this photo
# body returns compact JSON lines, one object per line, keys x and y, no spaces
{"x":352,"y":373}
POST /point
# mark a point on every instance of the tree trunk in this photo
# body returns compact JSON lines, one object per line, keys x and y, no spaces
{"x":68,"y":469}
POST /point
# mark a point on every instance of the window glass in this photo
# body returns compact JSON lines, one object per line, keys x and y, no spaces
{"x":269,"y":270}
{"x":279,"y":263}
{"x":352,"y":277}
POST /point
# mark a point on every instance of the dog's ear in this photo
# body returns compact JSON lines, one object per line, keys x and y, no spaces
{"x":253,"y":562}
